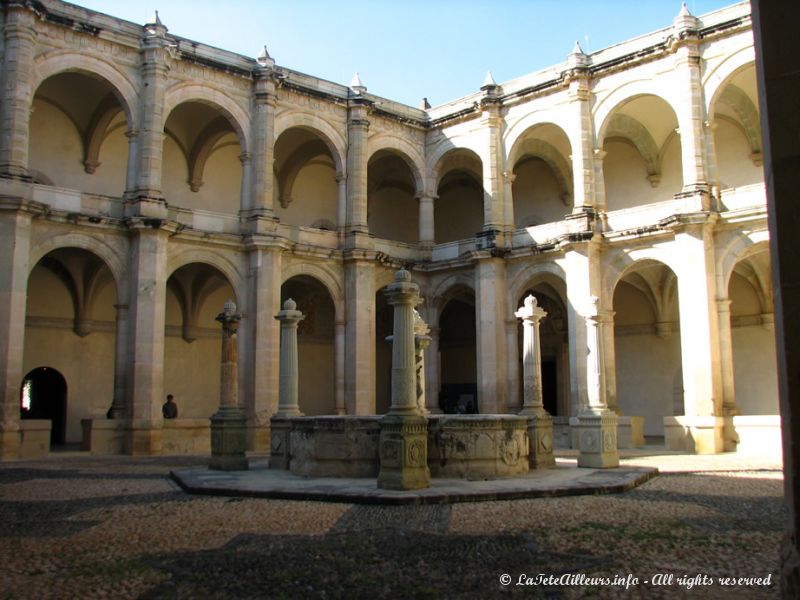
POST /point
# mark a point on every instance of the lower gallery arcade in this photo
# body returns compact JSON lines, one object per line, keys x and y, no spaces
{"x":634,"y":214}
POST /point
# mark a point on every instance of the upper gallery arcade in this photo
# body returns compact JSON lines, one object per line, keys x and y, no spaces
{"x":145,"y":179}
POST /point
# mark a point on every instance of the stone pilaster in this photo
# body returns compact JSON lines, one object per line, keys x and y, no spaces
{"x":494,"y":214}
{"x":582,"y":136}
{"x":228,"y":424}
{"x":339,"y":357}
{"x":146,"y":198}
{"x":540,"y":423}
{"x":261,"y":399}
{"x":729,"y":408}
{"x":359,"y":291}
{"x":118,"y":408}
{"x":16,"y":86}
{"x":490,"y":301}
{"x":605,"y":324}
{"x":289,"y":318}
{"x":700,"y":430}
{"x":148,"y":287}
{"x":263,"y":129}
{"x":15,"y":235}
{"x":691,"y":119}
{"x":403,"y":446}
{"x":341,"y":203}
{"x":512,"y":365}
{"x":357,"y":131}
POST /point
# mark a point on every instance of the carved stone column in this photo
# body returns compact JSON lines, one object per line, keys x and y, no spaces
{"x":540,"y":423}
{"x":289,"y":317}
{"x":404,"y":431}
{"x":432,"y":373}
{"x":228,"y":424}
{"x":339,"y":351}
{"x":263,"y":128}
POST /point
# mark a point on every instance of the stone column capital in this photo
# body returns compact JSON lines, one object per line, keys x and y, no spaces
{"x":531,"y":311}
{"x":290,"y":316}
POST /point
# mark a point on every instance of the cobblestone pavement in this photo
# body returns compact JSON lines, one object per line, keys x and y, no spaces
{"x":76,"y":526}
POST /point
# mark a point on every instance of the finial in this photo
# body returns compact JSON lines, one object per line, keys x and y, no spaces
{"x":356,"y":85}
{"x":424,"y":105}
{"x":531,"y":301}
{"x":290,"y":305}
{"x":229,"y":308}
{"x":684,"y":11}
{"x":489,"y":81}
{"x":402,"y":275}
{"x":577,"y":48}
{"x":155,"y":19}
{"x":263,"y":57}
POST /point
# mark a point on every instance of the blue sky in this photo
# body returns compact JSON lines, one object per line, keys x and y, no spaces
{"x":440,"y":49}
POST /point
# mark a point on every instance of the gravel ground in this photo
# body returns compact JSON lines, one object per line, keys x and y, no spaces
{"x":76,"y":526}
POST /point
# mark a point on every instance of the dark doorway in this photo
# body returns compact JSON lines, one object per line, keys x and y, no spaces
{"x":458,"y":355}
{"x":44,"y":396}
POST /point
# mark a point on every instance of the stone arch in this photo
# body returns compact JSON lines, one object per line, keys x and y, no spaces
{"x":530,"y":277}
{"x":324,"y":276}
{"x":189,"y":92}
{"x":621,"y":262}
{"x":404,"y":150}
{"x":320,"y":127}
{"x":434,"y":158}
{"x":738,"y":249}
{"x":621,"y":96}
{"x":551,"y":156}
{"x":446,"y":289}
{"x":463,"y":162}
{"x":112,"y":257}
{"x":53,"y":63}
{"x":218,"y":261}
{"x":517,"y":131}
{"x":715,"y":80}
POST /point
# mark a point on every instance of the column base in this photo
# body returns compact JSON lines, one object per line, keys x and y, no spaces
{"x":597,"y":440}
{"x":696,"y":435}
{"x":280,"y":454}
{"x":142,"y":438}
{"x":403,"y":451}
{"x":540,"y":439}
{"x":228,"y":440}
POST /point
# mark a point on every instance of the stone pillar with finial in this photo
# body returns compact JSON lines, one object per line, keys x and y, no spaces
{"x":228,"y":424}
{"x":288,"y":405}
{"x":404,"y":431}
{"x":540,"y":423}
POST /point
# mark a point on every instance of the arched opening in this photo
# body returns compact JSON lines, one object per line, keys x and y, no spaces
{"x":70,"y":326}
{"x":44,"y":396}
{"x":647,"y":342}
{"x":554,"y":344}
{"x":752,"y":336}
{"x":202,"y":169}
{"x":392,"y":209}
{"x":541,"y":186}
{"x":458,"y":209}
{"x":384,"y":326}
{"x":306,"y":191}
{"x":737,"y":131}
{"x":642,"y":162}
{"x":458,"y":393}
{"x":77,"y":135}
{"x":315,"y":344}
{"x":196,"y":294}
